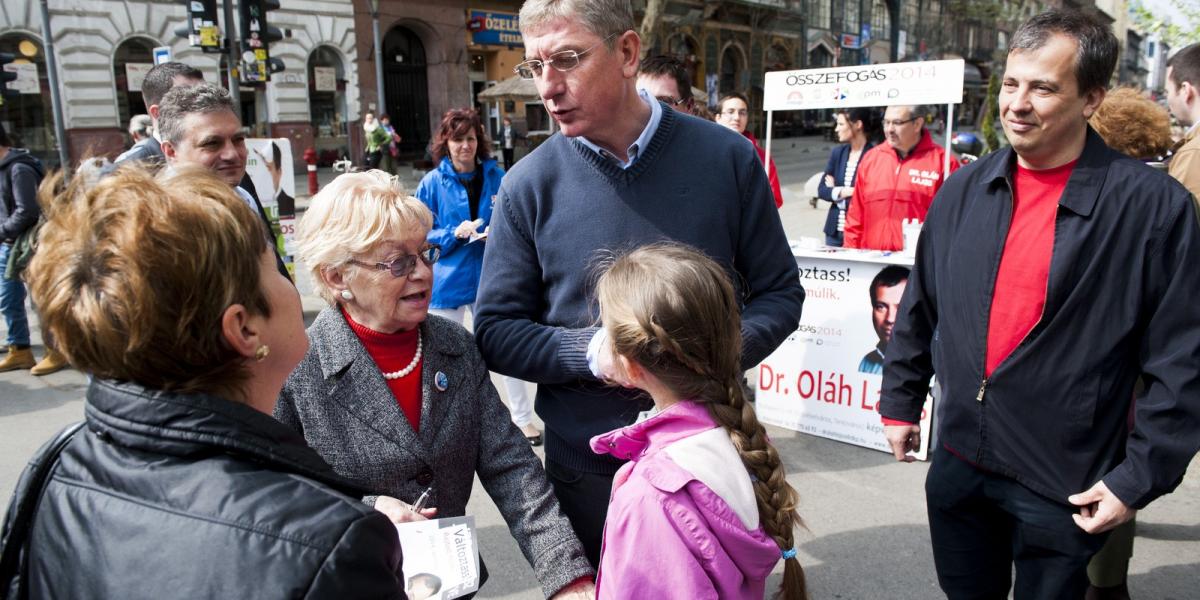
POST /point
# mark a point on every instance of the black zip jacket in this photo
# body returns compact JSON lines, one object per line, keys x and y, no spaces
{"x":1120,"y":303}
{"x":192,"y":496}
{"x":20,"y":175}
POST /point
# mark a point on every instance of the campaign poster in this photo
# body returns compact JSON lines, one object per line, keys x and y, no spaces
{"x":826,"y":377}
{"x":441,"y":558}
{"x":269,"y":166}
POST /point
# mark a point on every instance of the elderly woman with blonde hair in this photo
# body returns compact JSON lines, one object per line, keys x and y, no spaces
{"x":400,"y":401}
{"x":180,"y":483}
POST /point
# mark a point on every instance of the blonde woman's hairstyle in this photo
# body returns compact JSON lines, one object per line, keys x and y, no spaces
{"x":673,"y":311}
{"x":352,"y":215}
{"x":601,"y":17}
{"x":133,"y":275}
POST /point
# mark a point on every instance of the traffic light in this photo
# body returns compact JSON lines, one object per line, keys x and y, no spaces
{"x":6,"y":76}
{"x":257,"y":36}
{"x":201,"y":26}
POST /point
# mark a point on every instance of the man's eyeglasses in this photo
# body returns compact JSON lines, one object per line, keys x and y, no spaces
{"x":561,"y":61}
{"x":404,"y":265}
{"x":898,"y":122}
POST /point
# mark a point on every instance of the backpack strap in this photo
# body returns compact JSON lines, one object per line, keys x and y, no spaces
{"x":25,"y":504}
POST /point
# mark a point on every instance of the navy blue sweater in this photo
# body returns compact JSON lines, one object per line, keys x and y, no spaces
{"x":563,"y":207}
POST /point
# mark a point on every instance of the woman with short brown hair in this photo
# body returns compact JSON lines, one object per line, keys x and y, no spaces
{"x":181,"y":482}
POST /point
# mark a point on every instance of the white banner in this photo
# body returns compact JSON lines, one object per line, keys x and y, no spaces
{"x":135,"y":74}
{"x":929,"y":82}
{"x":826,"y":377}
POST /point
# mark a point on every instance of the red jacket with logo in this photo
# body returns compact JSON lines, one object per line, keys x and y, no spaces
{"x":888,"y":189}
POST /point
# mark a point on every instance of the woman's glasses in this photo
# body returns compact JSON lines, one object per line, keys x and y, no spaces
{"x":404,"y":265}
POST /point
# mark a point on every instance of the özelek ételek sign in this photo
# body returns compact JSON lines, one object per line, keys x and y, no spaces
{"x":928,"y":82}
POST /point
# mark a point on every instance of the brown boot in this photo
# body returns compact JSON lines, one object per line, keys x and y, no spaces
{"x":17,"y":359}
{"x":53,"y":362}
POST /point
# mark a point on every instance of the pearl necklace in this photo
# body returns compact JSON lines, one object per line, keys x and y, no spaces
{"x":412,"y":365}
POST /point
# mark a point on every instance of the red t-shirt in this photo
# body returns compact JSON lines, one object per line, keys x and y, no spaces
{"x":393,"y":352}
{"x":1020,"y":291}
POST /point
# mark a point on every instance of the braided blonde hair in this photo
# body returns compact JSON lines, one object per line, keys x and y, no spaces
{"x":673,"y":311}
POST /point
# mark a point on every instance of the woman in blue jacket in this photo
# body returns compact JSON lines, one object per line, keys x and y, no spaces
{"x":461,"y":192}
{"x":854,"y":128}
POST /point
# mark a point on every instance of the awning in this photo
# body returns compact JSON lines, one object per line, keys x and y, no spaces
{"x":513,"y":89}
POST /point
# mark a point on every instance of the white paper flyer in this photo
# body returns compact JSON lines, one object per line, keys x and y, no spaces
{"x":441,"y":558}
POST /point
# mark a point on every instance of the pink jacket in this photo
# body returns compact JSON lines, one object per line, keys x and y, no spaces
{"x":682,"y":522}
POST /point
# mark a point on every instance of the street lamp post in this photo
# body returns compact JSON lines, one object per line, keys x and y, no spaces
{"x":380,"y":102}
{"x":55,"y":90}
{"x":234,"y":58}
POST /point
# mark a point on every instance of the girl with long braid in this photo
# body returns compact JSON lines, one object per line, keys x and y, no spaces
{"x":703,"y":509}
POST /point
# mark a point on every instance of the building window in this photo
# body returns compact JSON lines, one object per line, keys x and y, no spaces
{"x":731,"y":71}
{"x":819,"y":13}
{"x":327,"y":103}
{"x":881,"y":21}
{"x":132,"y":59}
{"x":26,"y":116}
{"x":850,"y":22}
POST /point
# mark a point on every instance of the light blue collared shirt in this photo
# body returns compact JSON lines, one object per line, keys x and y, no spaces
{"x":641,"y":142}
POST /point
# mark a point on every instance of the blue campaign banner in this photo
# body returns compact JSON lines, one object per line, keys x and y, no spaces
{"x":495,"y":28}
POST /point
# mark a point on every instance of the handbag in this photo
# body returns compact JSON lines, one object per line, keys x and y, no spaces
{"x":16,"y":530}
{"x":22,"y":250}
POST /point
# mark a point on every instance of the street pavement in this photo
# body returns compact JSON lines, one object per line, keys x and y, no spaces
{"x":865,"y":533}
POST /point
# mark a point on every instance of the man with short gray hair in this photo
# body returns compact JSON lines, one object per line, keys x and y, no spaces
{"x":159,"y":80}
{"x":896,"y":181}
{"x":199,"y":126}
{"x":625,"y":171}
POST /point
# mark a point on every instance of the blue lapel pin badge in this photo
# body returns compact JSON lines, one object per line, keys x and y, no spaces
{"x":440,"y":381}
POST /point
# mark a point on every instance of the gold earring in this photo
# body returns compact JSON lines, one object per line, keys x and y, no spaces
{"x":261,"y":353}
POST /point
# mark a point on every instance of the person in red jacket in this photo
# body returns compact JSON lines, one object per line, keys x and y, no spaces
{"x":895,"y":181}
{"x":733,"y":112}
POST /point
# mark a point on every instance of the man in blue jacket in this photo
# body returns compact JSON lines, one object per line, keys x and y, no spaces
{"x":1048,"y":278}
{"x":625,"y":171}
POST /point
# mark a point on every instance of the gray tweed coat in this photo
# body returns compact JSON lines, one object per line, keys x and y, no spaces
{"x":340,"y":402}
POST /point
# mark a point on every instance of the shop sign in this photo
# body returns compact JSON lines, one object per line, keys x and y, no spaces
{"x":494,"y":28}
{"x":325,"y":79}
{"x":27,"y":78}
{"x":135,"y":74}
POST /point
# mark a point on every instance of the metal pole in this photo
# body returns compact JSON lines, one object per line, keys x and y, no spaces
{"x":381,"y":101}
{"x":233,"y":59}
{"x":949,"y":135}
{"x":64,"y":161}
{"x":767,"y":158}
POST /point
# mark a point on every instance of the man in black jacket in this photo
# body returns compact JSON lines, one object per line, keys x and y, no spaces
{"x":20,"y":174}
{"x":1048,"y":278}
{"x":199,"y":126}
{"x":159,"y":80}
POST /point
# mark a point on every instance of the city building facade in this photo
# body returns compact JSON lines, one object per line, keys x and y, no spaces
{"x":435,"y":55}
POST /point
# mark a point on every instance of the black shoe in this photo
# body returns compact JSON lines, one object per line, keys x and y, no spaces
{"x":534,"y":440}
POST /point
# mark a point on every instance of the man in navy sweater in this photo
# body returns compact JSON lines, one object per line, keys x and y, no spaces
{"x":625,"y":172}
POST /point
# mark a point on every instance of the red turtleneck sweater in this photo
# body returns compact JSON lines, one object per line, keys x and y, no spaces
{"x":393,"y":352}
